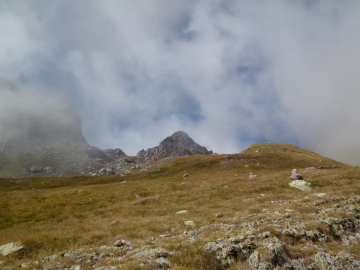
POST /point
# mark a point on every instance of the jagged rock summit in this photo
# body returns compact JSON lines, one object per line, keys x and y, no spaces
{"x":178,"y":144}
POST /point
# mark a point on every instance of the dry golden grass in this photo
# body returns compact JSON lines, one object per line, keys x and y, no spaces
{"x":55,"y":215}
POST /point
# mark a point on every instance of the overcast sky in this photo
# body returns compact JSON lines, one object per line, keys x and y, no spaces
{"x":228,"y":73}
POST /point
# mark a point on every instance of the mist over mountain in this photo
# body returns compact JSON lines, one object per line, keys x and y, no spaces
{"x":28,"y":119}
{"x":42,"y":135}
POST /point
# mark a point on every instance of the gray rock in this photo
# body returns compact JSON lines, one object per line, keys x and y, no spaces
{"x":279,"y":254}
{"x":340,"y":261}
{"x":162,"y":263}
{"x":122,"y":243}
{"x":256,"y":264}
{"x":228,"y":251}
{"x":109,"y":171}
{"x":36,"y":169}
{"x":126,"y":172}
{"x":49,"y":169}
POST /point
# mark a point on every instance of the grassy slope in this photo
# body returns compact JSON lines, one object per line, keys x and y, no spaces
{"x":53,"y":215}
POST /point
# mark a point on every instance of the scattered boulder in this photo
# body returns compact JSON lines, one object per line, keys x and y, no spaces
{"x":123,"y":244}
{"x":219,"y":215}
{"x":300,"y":184}
{"x":341,"y":261}
{"x":36,"y":169}
{"x":109,"y":171}
{"x":255,"y":262}
{"x":252,"y":175}
{"x":189,"y":223}
{"x":227,"y":251}
{"x":186,"y":175}
{"x":10,"y":248}
{"x":49,"y":169}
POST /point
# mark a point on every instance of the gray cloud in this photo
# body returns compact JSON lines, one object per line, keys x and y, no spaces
{"x":226,"y":72}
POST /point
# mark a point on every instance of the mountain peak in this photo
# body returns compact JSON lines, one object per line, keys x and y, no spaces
{"x":178,"y":144}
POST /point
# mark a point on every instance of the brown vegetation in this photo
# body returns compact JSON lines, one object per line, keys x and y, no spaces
{"x":55,"y":215}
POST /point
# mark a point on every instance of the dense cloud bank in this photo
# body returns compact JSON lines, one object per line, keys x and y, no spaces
{"x":226,"y":72}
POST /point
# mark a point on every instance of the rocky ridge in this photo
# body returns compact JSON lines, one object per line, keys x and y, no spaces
{"x":47,"y":140}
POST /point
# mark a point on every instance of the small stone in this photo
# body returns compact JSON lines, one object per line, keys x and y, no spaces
{"x":181,"y":212}
{"x":36,"y":169}
{"x":252,"y":175}
{"x":49,"y":169}
{"x":186,"y":175}
{"x":189,"y":223}
{"x":219,"y":215}
{"x":122,"y":243}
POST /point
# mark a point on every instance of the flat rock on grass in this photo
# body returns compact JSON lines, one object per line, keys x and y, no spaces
{"x":10,"y":248}
{"x":300,"y":184}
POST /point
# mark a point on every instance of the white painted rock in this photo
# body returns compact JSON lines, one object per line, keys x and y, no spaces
{"x":252,"y":175}
{"x":300,"y":184}
{"x":189,"y":223}
{"x":10,"y":248}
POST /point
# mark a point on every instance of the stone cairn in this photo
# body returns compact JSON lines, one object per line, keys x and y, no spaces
{"x":295,"y":175}
{"x":298,"y":182}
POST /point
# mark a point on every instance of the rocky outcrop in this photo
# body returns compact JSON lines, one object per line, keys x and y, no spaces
{"x":178,"y":144}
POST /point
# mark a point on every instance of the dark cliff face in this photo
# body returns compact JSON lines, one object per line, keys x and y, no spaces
{"x":178,"y":144}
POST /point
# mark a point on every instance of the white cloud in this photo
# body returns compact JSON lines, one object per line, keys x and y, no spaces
{"x":225,"y":72}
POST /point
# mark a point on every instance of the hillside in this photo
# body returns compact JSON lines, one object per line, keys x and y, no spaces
{"x":196,"y":212}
